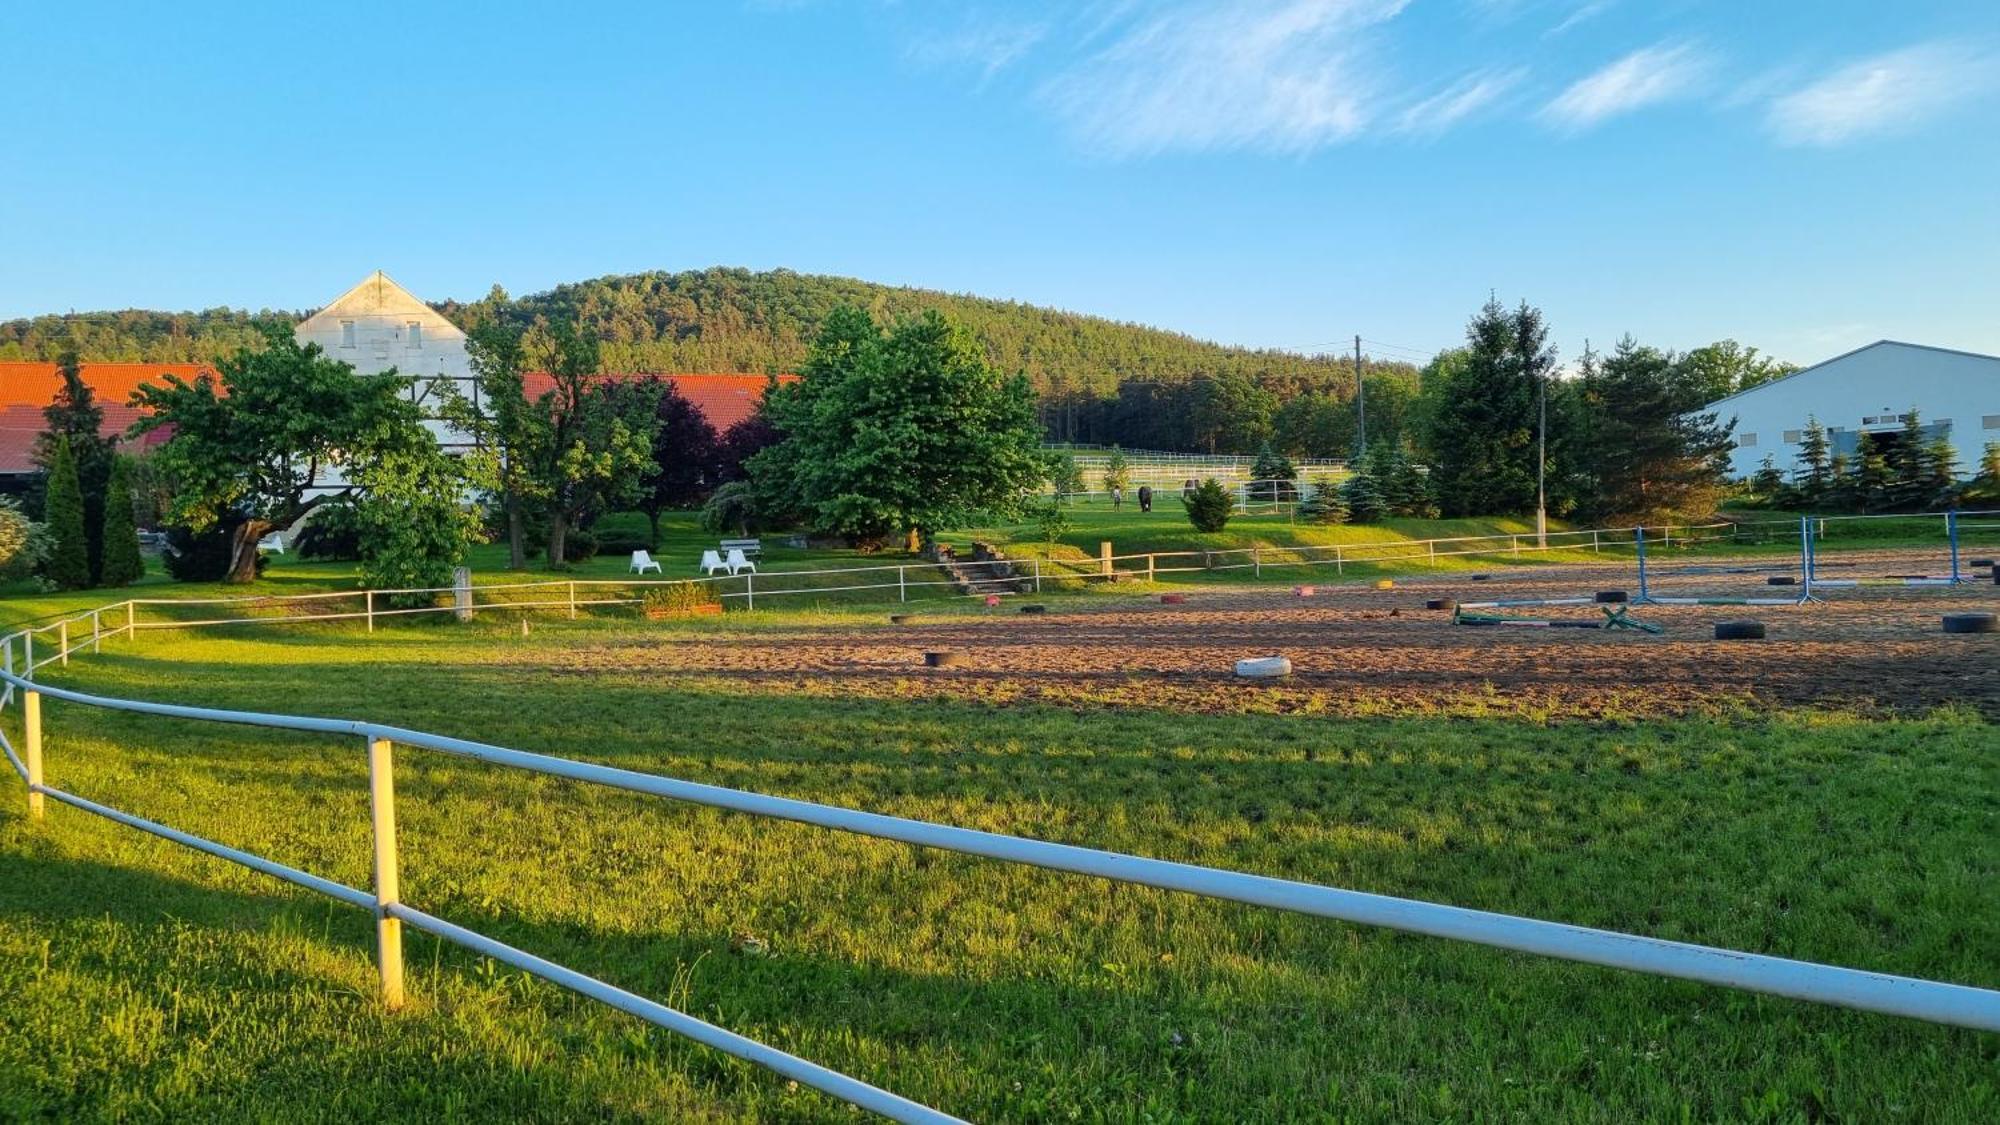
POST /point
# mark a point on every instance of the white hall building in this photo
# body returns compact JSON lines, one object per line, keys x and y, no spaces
{"x":1868,"y":390}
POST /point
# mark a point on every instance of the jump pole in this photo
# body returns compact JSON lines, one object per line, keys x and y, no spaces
{"x":1956,"y":577}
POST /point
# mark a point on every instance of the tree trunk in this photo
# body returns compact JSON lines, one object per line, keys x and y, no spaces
{"x":243,"y":550}
{"x":653,"y":517}
{"x":558,"y":535}
{"x":517,"y":547}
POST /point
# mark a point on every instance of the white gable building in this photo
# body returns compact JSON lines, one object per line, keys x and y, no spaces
{"x":1868,"y":390}
{"x":378,"y":325}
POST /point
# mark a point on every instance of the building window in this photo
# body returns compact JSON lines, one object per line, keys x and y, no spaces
{"x":1943,"y":424}
{"x":1792,"y":437}
{"x":1745,"y":441}
{"x":1990,"y":421}
{"x":346,"y":333}
{"x":416,"y":340}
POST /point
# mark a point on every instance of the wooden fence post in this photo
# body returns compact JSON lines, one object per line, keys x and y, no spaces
{"x":572,"y":599}
{"x":31,"y":739}
{"x":388,"y":930}
{"x":62,"y":635}
{"x":371,"y":610}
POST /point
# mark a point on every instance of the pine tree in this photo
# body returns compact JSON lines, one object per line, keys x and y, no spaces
{"x":73,"y":417}
{"x":1941,"y":472}
{"x":1275,"y":475}
{"x":1814,"y":474}
{"x":1908,"y":462}
{"x":1362,"y":493}
{"x":1767,"y":483}
{"x":1840,"y":495}
{"x":68,"y":564}
{"x":1874,"y":481}
{"x":1406,"y":490}
{"x":122,"y":564}
{"x":1324,"y":504}
{"x":1985,"y":488}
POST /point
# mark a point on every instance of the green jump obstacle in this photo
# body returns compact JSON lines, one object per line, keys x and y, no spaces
{"x":1613,"y":619}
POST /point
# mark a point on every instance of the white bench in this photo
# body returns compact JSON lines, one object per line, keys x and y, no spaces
{"x":642,"y":561}
{"x":749,"y":547}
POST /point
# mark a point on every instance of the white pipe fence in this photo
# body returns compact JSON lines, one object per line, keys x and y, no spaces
{"x":1934,"y":1001}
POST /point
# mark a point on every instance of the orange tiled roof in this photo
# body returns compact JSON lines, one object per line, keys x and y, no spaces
{"x":26,"y":386}
{"x":723,"y":399}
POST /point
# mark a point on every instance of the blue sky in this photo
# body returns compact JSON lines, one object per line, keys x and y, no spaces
{"x":1802,"y":175}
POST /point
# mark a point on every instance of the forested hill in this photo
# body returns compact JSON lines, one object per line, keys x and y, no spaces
{"x":736,"y":320}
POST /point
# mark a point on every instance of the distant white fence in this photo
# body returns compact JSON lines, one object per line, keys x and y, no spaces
{"x":1934,"y":1001}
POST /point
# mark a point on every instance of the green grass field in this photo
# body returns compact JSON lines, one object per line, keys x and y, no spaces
{"x":146,"y":982}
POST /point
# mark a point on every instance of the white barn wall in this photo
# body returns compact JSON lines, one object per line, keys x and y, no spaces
{"x":1884,"y":378}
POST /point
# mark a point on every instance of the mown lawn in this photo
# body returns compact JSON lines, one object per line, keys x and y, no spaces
{"x":142,"y":981}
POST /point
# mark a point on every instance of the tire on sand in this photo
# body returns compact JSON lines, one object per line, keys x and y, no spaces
{"x":1445,"y":604}
{"x":1611,"y":597}
{"x":943,"y":659}
{"x":1971,"y":623}
{"x":1739,"y":630}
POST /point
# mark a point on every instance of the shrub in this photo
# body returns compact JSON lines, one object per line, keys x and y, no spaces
{"x":579,"y":546}
{"x":1209,"y":505}
{"x":1053,"y":521}
{"x":619,"y":541}
{"x":23,"y":544}
{"x":333,"y":531}
{"x":678,"y":597}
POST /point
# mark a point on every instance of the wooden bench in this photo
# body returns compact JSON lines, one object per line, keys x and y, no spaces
{"x":750,"y":547}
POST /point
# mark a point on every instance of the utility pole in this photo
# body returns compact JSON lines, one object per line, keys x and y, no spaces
{"x":1360,"y":407}
{"x":1542,"y":466}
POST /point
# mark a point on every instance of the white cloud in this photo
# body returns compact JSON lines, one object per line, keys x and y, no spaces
{"x":989,"y":48}
{"x":1277,"y":75}
{"x":1456,"y":102}
{"x":1644,"y":77}
{"x":1884,"y":93}
{"x":1581,"y":14}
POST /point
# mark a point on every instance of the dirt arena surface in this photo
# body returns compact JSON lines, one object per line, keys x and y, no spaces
{"x":1361,"y":651}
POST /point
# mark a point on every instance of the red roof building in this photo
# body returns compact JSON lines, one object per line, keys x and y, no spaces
{"x":27,"y":386}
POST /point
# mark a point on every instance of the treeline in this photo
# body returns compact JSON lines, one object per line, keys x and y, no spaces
{"x":139,"y":335}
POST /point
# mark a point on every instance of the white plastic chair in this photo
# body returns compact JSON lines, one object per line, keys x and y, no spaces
{"x":738,"y":563}
{"x":272,"y":542}
{"x":642,"y":561}
{"x":712,"y":562}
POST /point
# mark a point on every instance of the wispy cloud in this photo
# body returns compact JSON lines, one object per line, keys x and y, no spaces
{"x":1884,"y":93}
{"x":1644,"y":77}
{"x":1276,"y":75}
{"x":1456,"y":102}
{"x":988,"y":48}
{"x":1582,"y":13}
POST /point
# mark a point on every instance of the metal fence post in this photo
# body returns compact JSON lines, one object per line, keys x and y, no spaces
{"x":750,"y":590}
{"x":28,"y":673}
{"x":1038,"y":574}
{"x":371,"y":610}
{"x":902,"y":586}
{"x":1595,"y":546}
{"x":62,"y":635}
{"x":388,"y":930}
{"x":1339,"y":565}
{"x":96,"y":630}
{"x":1256,"y":562}
{"x":31,"y":738}
{"x":131,"y":618}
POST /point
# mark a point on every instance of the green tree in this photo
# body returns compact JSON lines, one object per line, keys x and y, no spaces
{"x":1481,"y":417}
{"x":910,"y":430}
{"x":1117,"y":475}
{"x":732,"y":506}
{"x":24,"y":544}
{"x":1363,"y":495}
{"x":1651,"y":453}
{"x":686,"y":458}
{"x":501,"y":427}
{"x":1065,"y":476}
{"x":74,"y":417}
{"x":1275,"y":476}
{"x":414,"y":527}
{"x":122,"y":564}
{"x":1912,"y":483}
{"x":1323,"y":503}
{"x":1209,"y":506}
{"x":1052,"y":520}
{"x":1727,"y":368}
{"x":1984,"y":488}
{"x":1815,"y":467}
{"x":271,"y":437}
{"x":1941,"y":466}
{"x":1229,"y":413}
{"x":1873,"y":481}
{"x":68,"y":564}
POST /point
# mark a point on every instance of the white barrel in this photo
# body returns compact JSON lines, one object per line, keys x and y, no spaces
{"x":1264,"y":668}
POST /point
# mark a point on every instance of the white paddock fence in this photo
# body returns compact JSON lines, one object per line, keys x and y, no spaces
{"x":1934,"y":1001}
